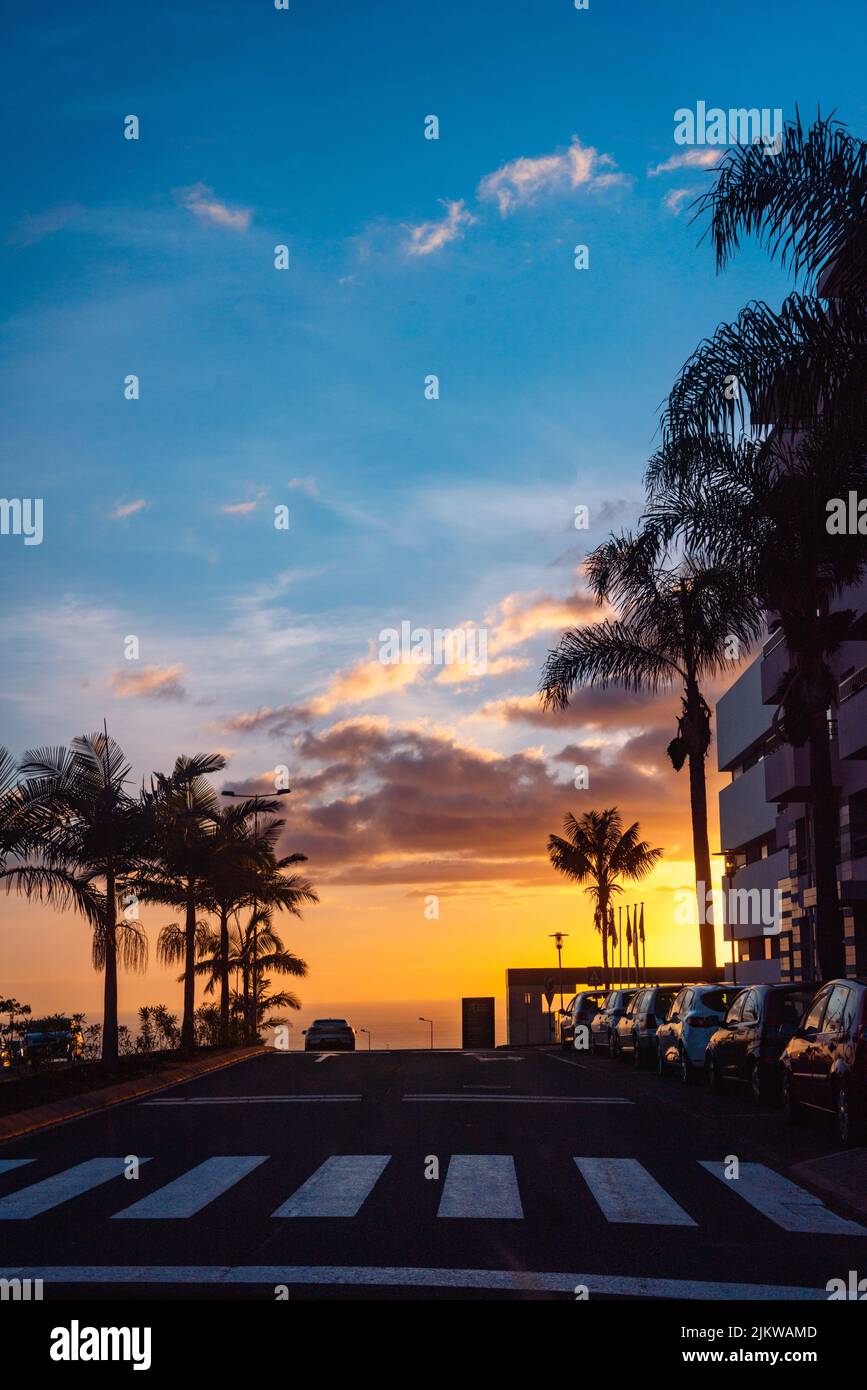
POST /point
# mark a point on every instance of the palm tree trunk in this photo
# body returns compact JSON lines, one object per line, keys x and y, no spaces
{"x":829,"y":936}
{"x":188,"y":1036}
{"x":224,"y":977}
{"x":109,"y":1007}
{"x":605,"y":954}
{"x":696,"y":724}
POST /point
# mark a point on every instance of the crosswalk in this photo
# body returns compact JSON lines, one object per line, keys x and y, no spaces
{"x":477,"y":1187}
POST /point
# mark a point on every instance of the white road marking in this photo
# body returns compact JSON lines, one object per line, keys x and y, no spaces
{"x":72,"y":1182}
{"x":481,"y":1186}
{"x":504,"y":1280}
{"x":627,"y":1193}
{"x":783,"y":1202}
{"x":338,"y":1187}
{"x":499,"y":1057}
{"x":566,"y":1061}
{"x":249,"y":1100}
{"x":7,"y":1164}
{"x":526,"y":1100}
{"x":191,"y":1191}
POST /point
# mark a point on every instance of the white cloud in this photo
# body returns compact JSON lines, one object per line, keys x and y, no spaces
{"x":675,"y":200}
{"x":433,"y":236}
{"x":125,"y":509}
{"x":699,"y":158}
{"x":201,"y":202}
{"x":522,"y":180}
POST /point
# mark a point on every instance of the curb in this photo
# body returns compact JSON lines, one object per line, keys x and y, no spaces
{"x":58,"y":1112}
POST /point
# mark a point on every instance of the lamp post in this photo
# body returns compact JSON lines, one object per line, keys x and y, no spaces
{"x":367,"y":1031}
{"x":257,"y":801}
{"x":430,"y":1021}
{"x":557,"y":937}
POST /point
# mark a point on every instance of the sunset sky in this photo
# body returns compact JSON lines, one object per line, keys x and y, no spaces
{"x":305,"y":387}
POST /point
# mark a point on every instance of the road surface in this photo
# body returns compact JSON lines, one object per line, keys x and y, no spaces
{"x":424,"y":1175}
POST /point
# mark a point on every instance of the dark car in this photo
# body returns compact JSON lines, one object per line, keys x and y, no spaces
{"x":329,"y":1035}
{"x":52,"y":1040}
{"x":603,"y":1029}
{"x":579,"y":1012}
{"x":749,"y":1042}
{"x":824,"y":1065}
{"x":636,"y":1030}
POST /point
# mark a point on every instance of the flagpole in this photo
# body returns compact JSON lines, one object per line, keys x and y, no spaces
{"x":643,"y":946}
{"x":620,"y":946}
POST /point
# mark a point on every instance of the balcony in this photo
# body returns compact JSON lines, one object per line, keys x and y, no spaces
{"x":852,"y":716}
{"x":763,"y":876}
{"x":787,"y":772}
{"x":744,"y":813}
{"x":753,"y":972}
{"x":774,"y":665}
{"x":741,"y":717}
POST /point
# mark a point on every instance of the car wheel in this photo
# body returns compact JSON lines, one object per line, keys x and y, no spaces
{"x":714,"y":1076}
{"x":684,"y":1068}
{"x":636,"y":1051}
{"x":792,"y":1109}
{"x":660,"y":1061}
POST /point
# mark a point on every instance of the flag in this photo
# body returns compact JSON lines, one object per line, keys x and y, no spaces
{"x":628,"y":930}
{"x":641,"y":924}
{"x":611,"y":928}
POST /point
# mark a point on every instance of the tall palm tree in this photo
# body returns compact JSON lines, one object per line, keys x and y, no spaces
{"x":250,"y":954}
{"x":91,"y":835}
{"x":674,"y":628}
{"x":182,"y":806}
{"x":761,"y":508}
{"x":598,"y":852}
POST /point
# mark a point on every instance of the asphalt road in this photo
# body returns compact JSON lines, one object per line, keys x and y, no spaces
{"x":424,"y":1175}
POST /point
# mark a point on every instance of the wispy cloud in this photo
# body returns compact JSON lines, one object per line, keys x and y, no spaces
{"x":306,"y":485}
{"x":152,"y":683}
{"x":433,"y":236}
{"x":125,"y":509}
{"x":675,"y":201}
{"x":207,"y":208}
{"x":239,"y":508}
{"x":523,"y":180}
{"x":699,"y":158}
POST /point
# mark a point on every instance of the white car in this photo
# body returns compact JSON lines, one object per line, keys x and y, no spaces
{"x":681,"y":1041}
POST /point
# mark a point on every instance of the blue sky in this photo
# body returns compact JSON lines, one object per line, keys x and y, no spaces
{"x":305,"y":387}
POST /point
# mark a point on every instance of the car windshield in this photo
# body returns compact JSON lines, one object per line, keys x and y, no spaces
{"x":330,"y":1023}
{"x":718,"y":999}
{"x":787,"y":1010}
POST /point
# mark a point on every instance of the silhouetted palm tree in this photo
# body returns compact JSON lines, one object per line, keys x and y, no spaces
{"x":761,"y":508}
{"x":598,"y":852}
{"x":250,"y":954}
{"x":676,"y":625}
{"x":88,"y":831}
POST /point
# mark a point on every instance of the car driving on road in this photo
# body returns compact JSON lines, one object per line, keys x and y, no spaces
{"x":824,"y":1065}
{"x":749,"y":1042}
{"x":681,"y":1041}
{"x":329,"y":1035}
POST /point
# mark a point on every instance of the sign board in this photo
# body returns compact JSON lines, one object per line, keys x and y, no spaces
{"x":477,"y":1020}
{"x":550,"y":991}
{"x":594,"y":978}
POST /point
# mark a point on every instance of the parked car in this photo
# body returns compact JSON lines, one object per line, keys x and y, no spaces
{"x":749,"y":1042}
{"x":579,"y":1012}
{"x":682,"y":1039}
{"x":603,"y":1027}
{"x":636,"y":1031}
{"x":329,"y":1035}
{"x":52,"y":1040}
{"x":824,"y":1065}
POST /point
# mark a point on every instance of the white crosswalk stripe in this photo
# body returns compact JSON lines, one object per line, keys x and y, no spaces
{"x":7,"y":1164}
{"x":783,"y":1202}
{"x":338,"y":1188}
{"x":627,"y":1193}
{"x":481,"y":1186}
{"x":192,"y":1191}
{"x":61,"y":1187}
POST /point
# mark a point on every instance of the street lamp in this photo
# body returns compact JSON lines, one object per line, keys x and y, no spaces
{"x":257,"y":801}
{"x":367,"y":1031}
{"x":558,"y":942}
{"x":430,"y":1021}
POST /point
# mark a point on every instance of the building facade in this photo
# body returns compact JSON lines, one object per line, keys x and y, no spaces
{"x":769,"y":887}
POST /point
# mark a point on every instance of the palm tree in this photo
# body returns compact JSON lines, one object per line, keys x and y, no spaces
{"x":807,"y":205}
{"x":675,"y":628}
{"x":88,"y":831}
{"x":761,"y":507}
{"x":253,"y":950}
{"x":182,"y":806}
{"x":597,"y":851}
